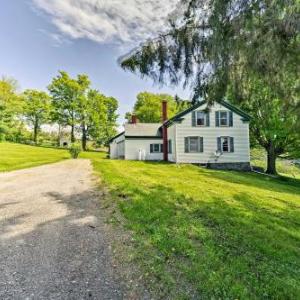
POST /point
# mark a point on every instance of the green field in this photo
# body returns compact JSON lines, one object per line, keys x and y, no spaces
{"x":208,"y":234}
{"x":197,"y":233}
{"x":16,"y":156}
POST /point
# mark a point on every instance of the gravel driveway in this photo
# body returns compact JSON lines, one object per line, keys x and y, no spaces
{"x":53,"y":242}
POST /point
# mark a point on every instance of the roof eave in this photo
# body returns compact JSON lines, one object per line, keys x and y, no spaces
{"x":178,"y":118}
{"x":238,"y":111}
{"x":115,"y":137}
{"x":143,"y":137}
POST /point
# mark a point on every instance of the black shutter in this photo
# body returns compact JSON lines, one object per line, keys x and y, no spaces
{"x":186,"y":145}
{"x":201,"y":144}
{"x":217,"y":119}
{"x":194,"y":118}
{"x":219,"y":144}
{"x":207,"y":119}
{"x":161,"y":148}
{"x":231,"y":144}
{"x":151,"y":148}
{"x":230,"y":119}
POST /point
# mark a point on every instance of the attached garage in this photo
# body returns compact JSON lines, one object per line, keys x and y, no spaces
{"x":117,"y":147}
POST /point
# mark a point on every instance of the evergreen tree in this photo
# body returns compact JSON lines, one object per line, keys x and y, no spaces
{"x":215,"y":44}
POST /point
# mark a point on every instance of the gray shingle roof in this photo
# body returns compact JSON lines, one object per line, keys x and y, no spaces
{"x":143,"y":129}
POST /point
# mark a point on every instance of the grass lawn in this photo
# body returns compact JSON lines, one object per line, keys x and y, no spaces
{"x":208,"y":234}
{"x":16,"y":156}
{"x":284,"y":166}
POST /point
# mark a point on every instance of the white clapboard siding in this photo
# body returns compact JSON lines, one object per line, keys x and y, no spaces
{"x":134,"y":146}
{"x":117,"y":147}
{"x":239,"y":131}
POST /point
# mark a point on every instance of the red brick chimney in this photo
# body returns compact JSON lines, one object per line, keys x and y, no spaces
{"x":165,"y":129}
{"x":133,"y":119}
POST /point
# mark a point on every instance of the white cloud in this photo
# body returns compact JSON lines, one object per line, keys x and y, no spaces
{"x":108,"y":21}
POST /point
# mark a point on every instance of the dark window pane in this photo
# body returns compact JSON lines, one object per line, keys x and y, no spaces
{"x":225,"y":145}
{"x":200,"y":118}
{"x":194,"y":144}
{"x":224,"y":118}
{"x":156,"y":148}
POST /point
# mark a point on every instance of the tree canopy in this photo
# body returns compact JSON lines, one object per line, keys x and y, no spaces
{"x":209,"y":39}
{"x":76,"y":104}
{"x":72,"y":103}
{"x":37,"y":107}
{"x":10,"y":107}
{"x":102,"y":117}
{"x":248,"y":51}
{"x":148,"y":107}
{"x":67,"y":97}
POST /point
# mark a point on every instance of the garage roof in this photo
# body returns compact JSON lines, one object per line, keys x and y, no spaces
{"x":143,"y":130}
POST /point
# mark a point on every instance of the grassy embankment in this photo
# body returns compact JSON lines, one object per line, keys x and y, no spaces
{"x":208,"y":234}
{"x":17,"y":156}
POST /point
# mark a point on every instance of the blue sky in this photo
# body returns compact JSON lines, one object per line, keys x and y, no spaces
{"x":40,"y":37}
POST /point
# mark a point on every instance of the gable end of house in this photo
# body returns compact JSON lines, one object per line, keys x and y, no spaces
{"x":179,"y":117}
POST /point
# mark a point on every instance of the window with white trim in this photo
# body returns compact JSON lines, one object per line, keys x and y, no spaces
{"x":193,"y":144}
{"x":224,"y":118}
{"x":201,"y":118}
{"x":156,"y":148}
{"x":225,"y":144}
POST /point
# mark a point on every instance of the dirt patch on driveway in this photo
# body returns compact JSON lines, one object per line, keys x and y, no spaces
{"x":54,"y":241}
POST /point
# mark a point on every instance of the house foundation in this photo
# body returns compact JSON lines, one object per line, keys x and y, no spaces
{"x":237,"y":166}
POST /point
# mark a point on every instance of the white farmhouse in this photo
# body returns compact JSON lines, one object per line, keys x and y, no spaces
{"x":215,"y":136}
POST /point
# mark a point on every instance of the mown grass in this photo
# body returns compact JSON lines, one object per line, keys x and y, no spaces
{"x":284,"y":167}
{"x":17,"y":156}
{"x":208,"y":234}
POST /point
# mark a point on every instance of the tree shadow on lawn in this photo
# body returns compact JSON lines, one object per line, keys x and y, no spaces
{"x":68,"y":256}
{"x":280,"y":184}
{"x":212,"y":247}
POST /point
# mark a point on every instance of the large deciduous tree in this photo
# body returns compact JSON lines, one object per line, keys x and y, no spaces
{"x":275,"y":124}
{"x":98,"y":117}
{"x":36,"y":109}
{"x":76,"y":104}
{"x":111,"y":118}
{"x":214,"y":44}
{"x":10,"y":106}
{"x":68,"y":100}
{"x":102,"y":117}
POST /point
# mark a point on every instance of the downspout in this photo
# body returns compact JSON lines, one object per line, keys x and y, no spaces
{"x":176,"y":144}
{"x":165,"y":129}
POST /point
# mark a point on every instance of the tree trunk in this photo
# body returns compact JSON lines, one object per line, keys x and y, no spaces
{"x":73,"y":133}
{"x":35,"y":131}
{"x":84,"y":137}
{"x":271,"y":166}
{"x":59,"y":135}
